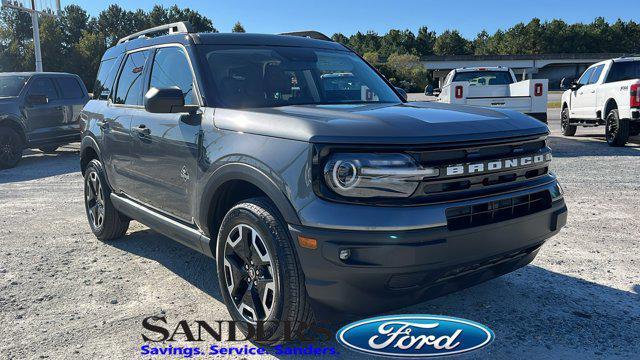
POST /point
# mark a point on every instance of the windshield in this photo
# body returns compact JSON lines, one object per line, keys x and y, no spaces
{"x":480,"y":78}
{"x":264,"y":76}
{"x":10,"y":86}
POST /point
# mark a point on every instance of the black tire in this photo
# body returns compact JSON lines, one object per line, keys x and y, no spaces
{"x":289,"y":301}
{"x":567,"y":130}
{"x":105,"y":221}
{"x":11,"y":147}
{"x":617,"y":130}
{"x":50,"y":149}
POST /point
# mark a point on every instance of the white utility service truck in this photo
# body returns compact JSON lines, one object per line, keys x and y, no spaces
{"x":494,"y":87}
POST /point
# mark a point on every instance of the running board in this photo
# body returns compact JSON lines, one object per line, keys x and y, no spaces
{"x":166,"y":226}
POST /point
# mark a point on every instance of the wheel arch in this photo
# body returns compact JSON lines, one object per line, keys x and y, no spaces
{"x":232,"y":183}
{"x":16,"y":125}
{"x":609,"y":105}
{"x":89,"y":150}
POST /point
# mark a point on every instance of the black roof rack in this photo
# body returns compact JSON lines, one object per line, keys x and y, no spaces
{"x":309,"y":34}
{"x":183,"y":27}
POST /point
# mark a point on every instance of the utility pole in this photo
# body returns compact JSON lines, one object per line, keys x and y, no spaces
{"x":36,"y":36}
{"x":42,"y":7}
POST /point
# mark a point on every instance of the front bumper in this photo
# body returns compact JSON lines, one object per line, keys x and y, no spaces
{"x":391,"y":269}
{"x":540,"y":116}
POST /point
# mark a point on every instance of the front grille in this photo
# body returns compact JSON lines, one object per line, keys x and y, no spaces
{"x":468,"y":216}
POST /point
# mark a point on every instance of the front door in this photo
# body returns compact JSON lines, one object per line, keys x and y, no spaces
{"x":165,"y":146}
{"x":44,"y":121}
{"x":580,"y":97}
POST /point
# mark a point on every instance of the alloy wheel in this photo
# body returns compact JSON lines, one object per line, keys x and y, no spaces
{"x":94,"y":200}
{"x":249,"y":274}
{"x":564,"y":121}
{"x":9,"y":148}
{"x":612,"y":128}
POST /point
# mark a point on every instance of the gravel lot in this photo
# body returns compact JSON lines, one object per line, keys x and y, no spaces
{"x":64,"y":294}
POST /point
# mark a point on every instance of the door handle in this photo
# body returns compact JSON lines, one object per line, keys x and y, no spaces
{"x":593,"y":91}
{"x":142,"y":130}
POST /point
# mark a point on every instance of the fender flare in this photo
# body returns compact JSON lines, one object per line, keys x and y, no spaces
{"x":17,"y":122}
{"x":252,"y":175}
{"x":89,"y":142}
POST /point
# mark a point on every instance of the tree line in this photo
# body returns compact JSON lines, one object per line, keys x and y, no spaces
{"x":75,"y":41}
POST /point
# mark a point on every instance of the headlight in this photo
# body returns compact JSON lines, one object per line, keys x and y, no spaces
{"x":374,"y":175}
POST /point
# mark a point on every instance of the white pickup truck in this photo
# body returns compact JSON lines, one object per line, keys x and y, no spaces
{"x":495,"y":87}
{"x":607,"y":93}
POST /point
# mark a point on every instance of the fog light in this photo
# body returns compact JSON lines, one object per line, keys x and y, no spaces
{"x":345,"y":254}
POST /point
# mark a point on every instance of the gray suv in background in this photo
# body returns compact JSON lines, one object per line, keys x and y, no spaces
{"x":38,"y":110}
{"x":307,"y":176}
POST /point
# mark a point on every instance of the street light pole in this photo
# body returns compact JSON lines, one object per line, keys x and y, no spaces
{"x":36,"y":39}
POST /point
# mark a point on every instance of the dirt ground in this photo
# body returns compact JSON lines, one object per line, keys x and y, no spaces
{"x":64,"y":294}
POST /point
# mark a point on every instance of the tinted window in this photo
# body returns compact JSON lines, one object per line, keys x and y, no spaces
{"x":624,"y":70}
{"x":43,"y":86}
{"x":596,"y":74}
{"x":584,"y":79}
{"x":481,"y":78}
{"x":70,"y":88}
{"x":104,"y":80}
{"x":129,"y":89}
{"x":12,"y":85}
{"x":171,"y":68}
{"x":268,"y":76}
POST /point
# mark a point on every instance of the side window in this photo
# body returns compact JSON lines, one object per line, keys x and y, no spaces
{"x":584,"y":79}
{"x":70,"y":88}
{"x":104,"y":80}
{"x":171,"y":68}
{"x":129,"y":88}
{"x":44,"y":86}
{"x":596,"y":74}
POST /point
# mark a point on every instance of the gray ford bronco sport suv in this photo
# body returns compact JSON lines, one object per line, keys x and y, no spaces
{"x":307,"y":176}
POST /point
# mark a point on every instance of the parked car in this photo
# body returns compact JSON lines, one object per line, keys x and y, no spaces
{"x":494,"y":87}
{"x":309,"y":195}
{"x":607,"y":93}
{"x":38,"y":110}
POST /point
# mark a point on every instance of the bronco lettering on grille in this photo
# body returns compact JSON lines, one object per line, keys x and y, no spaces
{"x":496,"y":165}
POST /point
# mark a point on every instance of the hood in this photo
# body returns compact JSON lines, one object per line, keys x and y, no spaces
{"x":409,"y":123}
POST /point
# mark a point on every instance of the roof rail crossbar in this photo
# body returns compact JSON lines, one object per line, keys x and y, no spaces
{"x":309,"y":34}
{"x":183,"y":27}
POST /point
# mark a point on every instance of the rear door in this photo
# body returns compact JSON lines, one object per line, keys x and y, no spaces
{"x":74,"y":97}
{"x":44,"y":121}
{"x":125,"y":98}
{"x":165,"y":146}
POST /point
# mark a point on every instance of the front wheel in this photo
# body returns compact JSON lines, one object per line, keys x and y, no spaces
{"x":105,"y":221}
{"x":567,"y":130}
{"x":617,"y":130}
{"x":11,"y":147}
{"x":258,"y":271}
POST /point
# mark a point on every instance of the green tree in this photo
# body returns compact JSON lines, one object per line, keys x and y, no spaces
{"x":238,"y":28}
{"x":451,"y":42}
{"x":425,"y":41}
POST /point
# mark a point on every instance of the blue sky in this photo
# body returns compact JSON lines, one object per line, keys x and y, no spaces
{"x":349,"y":16}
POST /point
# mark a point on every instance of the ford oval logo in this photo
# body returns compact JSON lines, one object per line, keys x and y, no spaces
{"x":414,"y":336}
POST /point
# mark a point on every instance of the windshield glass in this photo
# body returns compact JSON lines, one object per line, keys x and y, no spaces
{"x":11,"y":86}
{"x":480,"y":78}
{"x":264,"y":76}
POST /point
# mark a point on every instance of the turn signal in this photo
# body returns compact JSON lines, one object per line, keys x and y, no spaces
{"x":307,"y":243}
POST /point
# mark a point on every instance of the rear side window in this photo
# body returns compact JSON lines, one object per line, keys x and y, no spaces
{"x":171,"y":68}
{"x":70,"y":88}
{"x":104,"y":80}
{"x":624,"y":70}
{"x":596,"y":74}
{"x":482,"y":78}
{"x":44,"y":86}
{"x":130,"y":84}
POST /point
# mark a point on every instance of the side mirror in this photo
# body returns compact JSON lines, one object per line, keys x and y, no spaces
{"x":167,"y":101}
{"x":575,"y":85}
{"x":436,"y":92}
{"x":37,"y":99}
{"x":402,"y":93}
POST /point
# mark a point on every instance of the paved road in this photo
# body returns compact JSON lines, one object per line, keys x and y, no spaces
{"x":64,"y":294}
